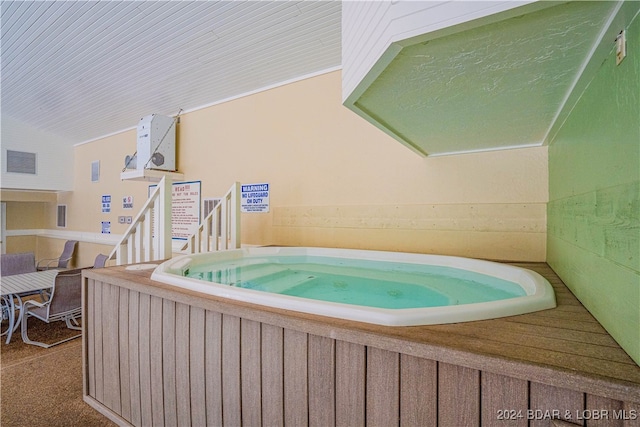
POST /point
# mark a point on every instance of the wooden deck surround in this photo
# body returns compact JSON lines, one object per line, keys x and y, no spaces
{"x":159,"y":355}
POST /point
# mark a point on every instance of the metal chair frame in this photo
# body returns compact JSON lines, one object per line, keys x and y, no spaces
{"x":70,"y":316}
{"x":62,"y":261}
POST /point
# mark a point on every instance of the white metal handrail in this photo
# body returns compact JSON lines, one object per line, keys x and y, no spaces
{"x":148,"y":238}
{"x":220,"y":229}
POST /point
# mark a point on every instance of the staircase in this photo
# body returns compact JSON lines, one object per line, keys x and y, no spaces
{"x":148,"y":238}
{"x":220,"y":229}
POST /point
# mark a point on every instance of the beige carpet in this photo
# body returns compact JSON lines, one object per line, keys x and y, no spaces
{"x":43,"y":387}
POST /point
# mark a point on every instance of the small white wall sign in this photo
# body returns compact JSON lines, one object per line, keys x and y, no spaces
{"x":127,"y":202}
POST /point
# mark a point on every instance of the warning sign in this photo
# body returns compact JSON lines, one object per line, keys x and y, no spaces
{"x":255,"y":198}
{"x":106,"y":203}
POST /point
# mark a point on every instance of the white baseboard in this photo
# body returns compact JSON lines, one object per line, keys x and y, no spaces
{"x":81,"y":236}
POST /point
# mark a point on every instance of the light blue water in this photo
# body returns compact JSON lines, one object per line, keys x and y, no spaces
{"x":359,"y":282}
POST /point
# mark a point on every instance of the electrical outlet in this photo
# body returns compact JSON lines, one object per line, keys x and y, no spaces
{"x":621,"y":47}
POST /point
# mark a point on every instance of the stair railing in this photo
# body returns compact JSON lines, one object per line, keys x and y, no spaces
{"x":220,"y":229}
{"x":148,"y":238}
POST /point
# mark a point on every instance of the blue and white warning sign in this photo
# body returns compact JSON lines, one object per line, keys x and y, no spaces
{"x":106,"y":203}
{"x":255,"y":198}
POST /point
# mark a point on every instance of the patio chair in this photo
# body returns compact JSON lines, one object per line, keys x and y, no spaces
{"x":62,"y":261}
{"x":65,"y":304}
{"x":17,"y":263}
{"x":100,"y":261}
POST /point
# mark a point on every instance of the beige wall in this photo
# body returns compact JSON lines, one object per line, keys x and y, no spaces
{"x":84,"y":208}
{"x":26,"y":215}
{"x":17,"y":244}
{"x":335,"y":180}
{"x":25,"y":212}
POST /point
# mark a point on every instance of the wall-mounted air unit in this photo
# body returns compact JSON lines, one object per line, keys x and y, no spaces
{"x":156,"y":144}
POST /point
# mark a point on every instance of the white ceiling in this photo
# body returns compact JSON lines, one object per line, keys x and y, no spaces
{"x":86,"y":69}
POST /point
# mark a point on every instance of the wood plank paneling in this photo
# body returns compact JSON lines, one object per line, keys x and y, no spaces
{"x":556,"y":332}
{"x":296,"y":410}
{"x":272,"y":375}
{"x":553,"y":402}
{"x":123,"y":353}
{"x":155,"y":360}
{"x":631,"y":414}
{"x":513,"y":332}
{"x":197,"y":366}
{"x":472,"y":244}
{"x":418,"y":391}
{"x":383,"y":387}
{"x":168,"y":350}
{"x":444,"y":217}
{"x":585,"y":219}
{"x":232,"y":395}
{"x":135,"y":375}
{"x":350,"y":384}
{"x":584,"y":271}
{"x":458,"y":395}
{"x":213,"y":367}
{"x":322,"y":399}
{"x":110,"y":347}
{"x":251,"y":373}
{"x":145,"y":359}
{"x":98,"y":348}
{"x":90,"y":326}
{"x":534,"y":356}
{"x":505,"y":400}
{"x":575,"y":325}
{"x":601,"y":412}
{"x":182,"y":366}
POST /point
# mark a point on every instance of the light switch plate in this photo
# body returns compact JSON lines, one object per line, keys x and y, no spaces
{"x":621,"y":47}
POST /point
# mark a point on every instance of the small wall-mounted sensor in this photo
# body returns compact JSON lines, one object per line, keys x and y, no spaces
{"x":621,"y":47}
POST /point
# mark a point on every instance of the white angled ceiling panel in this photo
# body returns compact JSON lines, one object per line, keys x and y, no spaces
{"x":502,"y":81}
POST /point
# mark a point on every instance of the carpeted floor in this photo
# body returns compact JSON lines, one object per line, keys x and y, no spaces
{"x":43,"y":387}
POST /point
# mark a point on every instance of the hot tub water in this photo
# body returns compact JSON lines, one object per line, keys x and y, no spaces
{"x":390,"y":285}
{"x":384,"y":288}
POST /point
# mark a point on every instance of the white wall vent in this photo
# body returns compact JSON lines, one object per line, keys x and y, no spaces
{"x":95,"y":171}
{"x":209,"y":205}
{"x":61,"y":220}
{"x":21,"y":162}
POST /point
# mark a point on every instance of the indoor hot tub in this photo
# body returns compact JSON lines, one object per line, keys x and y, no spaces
{"x":385,"y":288}
{"x":207,"y":353}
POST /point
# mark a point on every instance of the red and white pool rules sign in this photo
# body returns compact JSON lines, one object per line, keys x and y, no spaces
{"x":185,"y":208}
